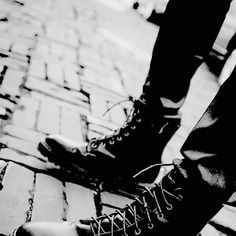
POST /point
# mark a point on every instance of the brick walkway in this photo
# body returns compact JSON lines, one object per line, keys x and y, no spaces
{"x":62,"y":65}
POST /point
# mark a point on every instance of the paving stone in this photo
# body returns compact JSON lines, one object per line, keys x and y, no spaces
{"x":48,"y":202}
{"x":20,"y":48}
{"x":12,"y":81}
{"x":37,"y":69}
{"x":80,"y":96}
{"x":42,"y":48}
{"x":92,"y":61}
{"x":90,"y":75}
{"x":47,"y":58}
{"x":41,"y":85}
{"x":27,"y":102}
{"x":4,"y":26}
{"x":55,"y":92}
{"x":94,"y":88}
{"x":57,"y":50}
{"x":27,"y":161}
{"x":98,"y":106}
{"x":71,"y":124}
{"x":111,"y":80}
{"x":7,"y":104}
{"x":14,"y":197}
{"x":70,"y":55}
{"x":108,"y":62}
{"x":72,"y":79}
{"x":80,"y":202}
{"x":24,"y":118}
{"x":96,"y":66}
{"x":55,"y":74}
{"x":99,"y":129}
{"x":62,"y":104}
{"x":22,"y":133}
{"x":19,"y":58}
{"x":101,"y":122}
{"x":5,"y":44}
{"x":26,"y":115}
{"x":23,"y":146}
{"x":72,"y":38}
{"x":117,"y":114}
{"x":49,"y":119}
{"x":13,"y":63}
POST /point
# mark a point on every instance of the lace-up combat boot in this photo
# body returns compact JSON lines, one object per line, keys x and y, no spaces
{"x":136,"y":145}
{"x":181,"y":204}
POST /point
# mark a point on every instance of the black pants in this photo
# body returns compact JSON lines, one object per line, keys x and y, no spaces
{"x":187,"y":34}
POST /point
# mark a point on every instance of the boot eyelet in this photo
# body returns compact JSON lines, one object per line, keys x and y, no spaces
{"x":180,"y":197}
{"x":119,"y":138}
{"x":137,"y":231}
{"x":116,"y":132}
{"x":73,"y":150}
{"x":160,"y":216}
{"x":94,"y":145}
{"x":133,"y":127}
{"x":126,"y":134}
{"x":150,"y":225}
{"x":111,"y":142}
{"x":139,"y":120}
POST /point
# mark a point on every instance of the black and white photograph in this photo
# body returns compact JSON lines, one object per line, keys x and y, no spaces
{"x":117,"y":117}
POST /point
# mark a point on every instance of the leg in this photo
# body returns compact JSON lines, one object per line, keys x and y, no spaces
{"x":211,"y":142}
{"x":186,"y":36}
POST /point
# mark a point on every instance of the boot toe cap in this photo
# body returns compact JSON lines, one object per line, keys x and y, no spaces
{"x":60,"y":144}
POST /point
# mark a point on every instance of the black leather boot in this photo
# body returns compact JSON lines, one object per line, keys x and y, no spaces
{"x":138,"y":144}
{"x":181,"y":204}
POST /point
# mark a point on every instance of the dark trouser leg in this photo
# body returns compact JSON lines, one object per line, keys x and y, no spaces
{"x":186,"y":36}
{"x":211,"y":144}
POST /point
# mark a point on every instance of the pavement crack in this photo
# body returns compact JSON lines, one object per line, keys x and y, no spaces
{"x":31,"y":201}
{"x":65,"y":203}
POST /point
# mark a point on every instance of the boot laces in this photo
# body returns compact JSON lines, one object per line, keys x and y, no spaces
{"x":121,"y":132}
{"x":142,"y":213}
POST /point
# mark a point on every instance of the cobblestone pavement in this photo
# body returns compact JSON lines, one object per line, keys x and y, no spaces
{"x":62,"y":65}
